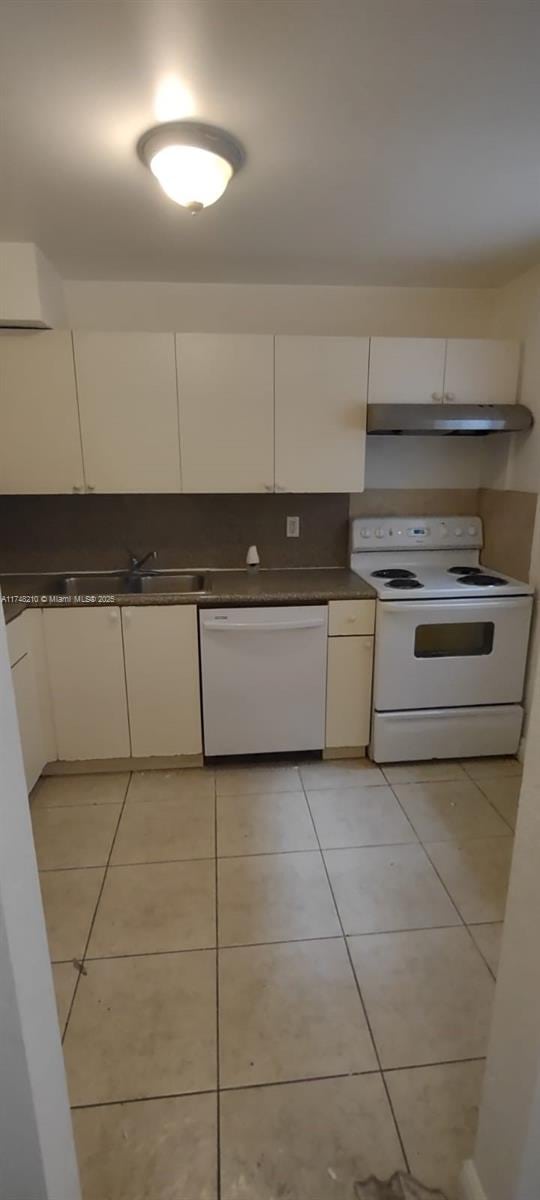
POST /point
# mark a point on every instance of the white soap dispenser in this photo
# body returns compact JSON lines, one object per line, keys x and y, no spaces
{"x":252,"y":559}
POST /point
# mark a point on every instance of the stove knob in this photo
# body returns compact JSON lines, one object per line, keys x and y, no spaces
{"x":379,"y":533}
{"x":471,"y":530}
{"x":458,"y":531}
{"x":366,"y":533}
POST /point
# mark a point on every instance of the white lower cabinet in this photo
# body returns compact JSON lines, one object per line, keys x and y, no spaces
{"x":87,"y":681}
{"x":349,"y":676}
{"x":162,"y":675}
{"x":31,"y":689}
{"x":27,"y":705}
{"x":35,"y":625}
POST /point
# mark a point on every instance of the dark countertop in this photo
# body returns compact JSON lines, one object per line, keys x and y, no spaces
{"x":299,"y":586}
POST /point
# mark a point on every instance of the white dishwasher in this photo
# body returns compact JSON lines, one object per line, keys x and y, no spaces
{"x":263,"y":679}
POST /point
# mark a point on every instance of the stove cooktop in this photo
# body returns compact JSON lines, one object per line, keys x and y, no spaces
{"x":436,"y":582}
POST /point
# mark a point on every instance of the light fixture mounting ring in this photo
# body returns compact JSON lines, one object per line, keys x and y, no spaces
{"x":191,"y":133}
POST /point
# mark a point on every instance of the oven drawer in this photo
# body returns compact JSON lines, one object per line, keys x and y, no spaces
{"x":446,"y":653}
{"x":432,"y":733}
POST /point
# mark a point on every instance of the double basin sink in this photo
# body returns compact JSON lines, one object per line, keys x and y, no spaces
{"x":124,"y":584}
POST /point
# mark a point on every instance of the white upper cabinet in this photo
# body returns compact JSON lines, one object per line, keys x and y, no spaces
{"x":435,"y":370}
{"x":479,"y":371}
{"x":40,"y":443}
{"x":406,"y":370}
{"x":128,"y":406}
{"x":226,"y":404}
{"x":320,"y":413}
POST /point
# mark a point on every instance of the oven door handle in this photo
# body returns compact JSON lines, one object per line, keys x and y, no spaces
{"x":455,"y":606}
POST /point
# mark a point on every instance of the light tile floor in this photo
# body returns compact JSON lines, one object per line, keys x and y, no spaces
{"x":307,"y":1009}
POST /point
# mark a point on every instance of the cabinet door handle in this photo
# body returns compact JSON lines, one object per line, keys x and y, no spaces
{"x":279,"y":488}
{"x":76,"y":488}
{"x":437,"y":397}
{"x":91,"y":487}
{"x":449,"y":396}
{"x":268,"y":487}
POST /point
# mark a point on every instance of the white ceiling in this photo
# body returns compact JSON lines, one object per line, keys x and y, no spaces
{"x":388,"y":141}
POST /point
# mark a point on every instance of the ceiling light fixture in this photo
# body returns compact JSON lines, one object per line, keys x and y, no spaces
{"x":193,"y":162}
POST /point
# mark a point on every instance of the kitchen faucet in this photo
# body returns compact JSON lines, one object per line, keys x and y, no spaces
{"x":135,"y":563}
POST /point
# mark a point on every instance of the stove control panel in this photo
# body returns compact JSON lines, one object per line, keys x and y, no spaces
{"x":404,"y":533}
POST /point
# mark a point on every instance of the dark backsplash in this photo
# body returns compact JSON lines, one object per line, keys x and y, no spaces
{"x":63,"y":533}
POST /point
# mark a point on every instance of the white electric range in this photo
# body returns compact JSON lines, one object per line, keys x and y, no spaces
{"x":451,"y":639}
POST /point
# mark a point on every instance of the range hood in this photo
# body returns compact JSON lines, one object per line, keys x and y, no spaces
{"x":459,"y":420}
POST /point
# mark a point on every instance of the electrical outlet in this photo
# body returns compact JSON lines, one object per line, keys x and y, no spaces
{"x":293,"y":526}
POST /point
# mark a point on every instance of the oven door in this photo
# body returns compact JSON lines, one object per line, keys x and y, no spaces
{"x":446,"y":653}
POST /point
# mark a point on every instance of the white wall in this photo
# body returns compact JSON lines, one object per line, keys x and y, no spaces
{"x":516,"y":313}
{"x":252,"y":308}
{"x":37,"y":1156}
{"x":420,"y":462}
{"x":516,"y":465}
{"x":507,"y":1153}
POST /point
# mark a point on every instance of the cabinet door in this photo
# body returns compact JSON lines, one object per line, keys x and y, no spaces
{"x":41,"y":672}
{"x":406,"y":370}
{"x":162,"y":673}
{"x":28,"y":715}
{"x":129,"y":416}
{"x":88,"y":690}
{"x":321,"y":393}
{"x":479,"y":371}
{"x":226,"y":403}
{"x":348,"y":694}
{"x":40,"y":446}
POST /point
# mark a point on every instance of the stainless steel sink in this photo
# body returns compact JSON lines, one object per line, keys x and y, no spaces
{"x":118,"y":584}
{"x":95,"y":585}
{"x":168,"y":581}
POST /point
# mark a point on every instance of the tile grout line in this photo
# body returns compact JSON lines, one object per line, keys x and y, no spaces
{"x":98,"y":901}
{"x":329,"y":937}
{"x":494,"y":807}
{"x":452,"y":841}
{"x":481,"y":952}
{"x":232,"y":857}
{"x":218,"y":1079}
{"x":429,"y":783}
{"x":278,"y":1083}
{"x":358,"y":988}
{"x":445,"y":1062}
{"x":465,"y":923}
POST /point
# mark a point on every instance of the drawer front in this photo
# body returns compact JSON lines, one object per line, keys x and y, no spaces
{"x":18,"y":637}
{"x":350,"y":618}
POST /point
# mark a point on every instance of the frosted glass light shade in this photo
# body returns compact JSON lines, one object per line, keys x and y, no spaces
{"x":191,"y":177}
{"x":192,"y":162}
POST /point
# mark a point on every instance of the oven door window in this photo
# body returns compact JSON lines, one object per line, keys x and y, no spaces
{"x":459,"y":639}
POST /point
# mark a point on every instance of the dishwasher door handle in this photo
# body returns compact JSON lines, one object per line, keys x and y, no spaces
{"x":267,"y":627}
